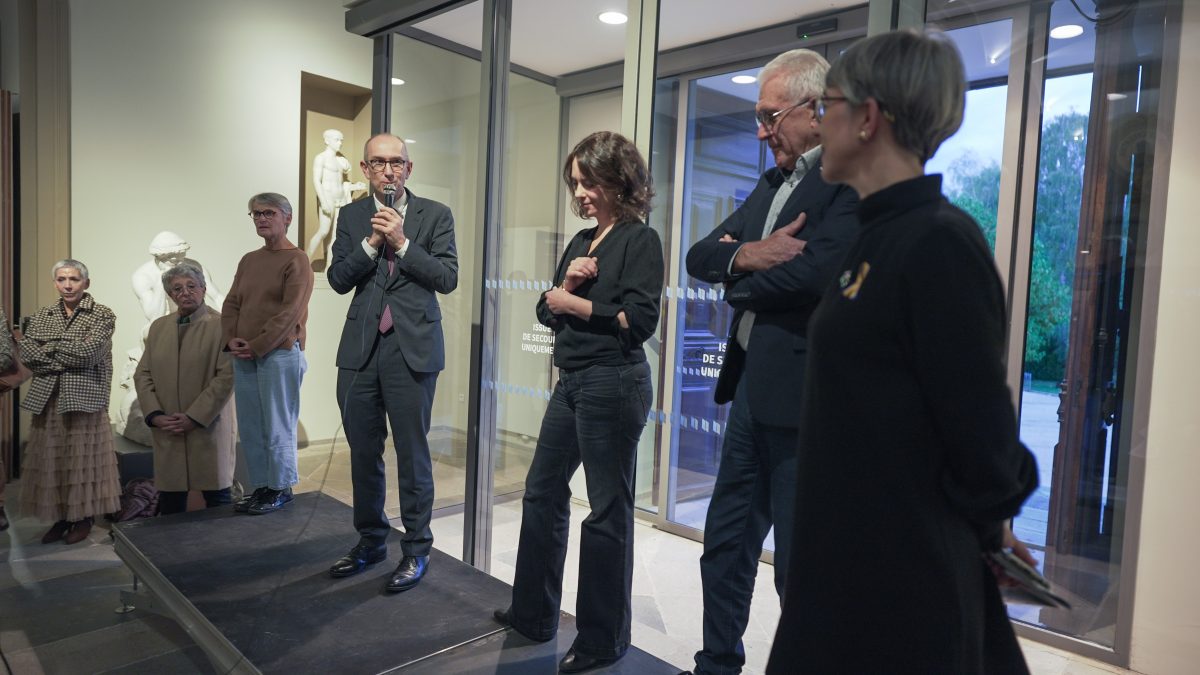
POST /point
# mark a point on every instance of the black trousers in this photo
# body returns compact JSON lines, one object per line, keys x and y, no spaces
{"x":176,"y":502}
{"x":595,"y":416}
{"x":755,"y":488}
{"x":387,"y":390}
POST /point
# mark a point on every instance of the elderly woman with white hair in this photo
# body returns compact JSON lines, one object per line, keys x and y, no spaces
{"x":909,"y":463}
{"x":263,"y":321}
{"x":70,"y":472}
{"x":184,"y":383}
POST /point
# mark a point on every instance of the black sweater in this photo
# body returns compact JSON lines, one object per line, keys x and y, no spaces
{"x":908,"y":457}
{"x":630,"y":279}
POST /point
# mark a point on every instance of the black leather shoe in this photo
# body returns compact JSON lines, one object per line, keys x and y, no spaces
{"x":358,"y":559}
{"x":408,"y":573}
{"x":243,"y":505}
{"x":574,"y":662}
{"x":504,"y":619}
{"x":271,"y":500}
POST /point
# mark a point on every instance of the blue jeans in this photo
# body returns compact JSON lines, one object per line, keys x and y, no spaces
{"x":267,"y":396}
{"x":596,"y":417}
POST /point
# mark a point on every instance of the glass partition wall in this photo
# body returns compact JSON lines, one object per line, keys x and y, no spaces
{"x":1053,"y":160}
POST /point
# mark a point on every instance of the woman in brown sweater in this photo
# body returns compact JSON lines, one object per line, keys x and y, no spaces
{"x":263,"y":321}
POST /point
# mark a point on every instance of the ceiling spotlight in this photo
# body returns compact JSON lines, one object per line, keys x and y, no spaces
{"x":744,"y":79}
{"x":612,"y":18}
{"x":1066,"y":31}
{"x":397,"y":81}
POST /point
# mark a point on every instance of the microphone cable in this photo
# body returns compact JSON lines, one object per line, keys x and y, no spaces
{"x":389,"y":200}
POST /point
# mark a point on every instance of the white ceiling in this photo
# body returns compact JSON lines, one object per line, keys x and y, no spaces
{"x":556,"y":37}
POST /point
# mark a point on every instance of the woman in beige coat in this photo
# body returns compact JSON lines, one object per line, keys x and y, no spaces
{"x":185,"y":383}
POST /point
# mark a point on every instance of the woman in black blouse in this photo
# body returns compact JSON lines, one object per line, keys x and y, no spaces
{"x":909,"y":463}
{"x":603,"y":307}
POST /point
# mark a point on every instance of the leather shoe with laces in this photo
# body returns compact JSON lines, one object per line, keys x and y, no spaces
{"x":272,"y":500}
{"x":243,"y":505}
{"x":358,"y":559}
{"x":408,"y":573}
{"x":574,"y":662}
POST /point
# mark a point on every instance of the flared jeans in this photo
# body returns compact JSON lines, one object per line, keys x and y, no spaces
{"x":595,"y":417}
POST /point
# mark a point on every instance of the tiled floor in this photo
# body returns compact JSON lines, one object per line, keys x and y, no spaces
{"x":58,"y":602}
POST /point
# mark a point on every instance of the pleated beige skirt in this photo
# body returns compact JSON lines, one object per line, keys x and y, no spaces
{"x":70,"y":469}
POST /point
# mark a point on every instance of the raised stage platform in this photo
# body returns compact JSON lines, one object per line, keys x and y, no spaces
{"x":255,"y":594}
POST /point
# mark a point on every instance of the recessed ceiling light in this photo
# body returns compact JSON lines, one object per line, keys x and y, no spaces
{"x":1066,"y":31}
{"x":1115,"y":96}
{"x":744,"y":79}
{"x":410,"y":141}
{"x":397,"y":81}
{"x":612,"y":18}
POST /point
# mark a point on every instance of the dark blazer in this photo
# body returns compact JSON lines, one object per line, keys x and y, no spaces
{"x":429,"y":267}
{"x":783,"y":297}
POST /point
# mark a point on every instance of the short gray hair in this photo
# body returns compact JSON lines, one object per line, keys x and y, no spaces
{"x":271,"y":199}
{"x":803,"y":72}
{"x":69,"y":263}
{"x":917,"y":79}
{"x":183,"y":270}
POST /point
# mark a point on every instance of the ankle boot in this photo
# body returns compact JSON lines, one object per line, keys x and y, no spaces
{"x":80,"y":529}
{"x":56,"y":532}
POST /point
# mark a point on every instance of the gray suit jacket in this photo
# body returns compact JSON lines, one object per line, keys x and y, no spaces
{"x":429,"y":267}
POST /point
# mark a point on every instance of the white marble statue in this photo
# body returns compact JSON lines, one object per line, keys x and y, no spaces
{"x":331,"y":171}
{"x":167,"y":250}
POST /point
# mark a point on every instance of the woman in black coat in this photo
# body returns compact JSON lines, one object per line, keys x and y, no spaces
{"x":909,"y":463}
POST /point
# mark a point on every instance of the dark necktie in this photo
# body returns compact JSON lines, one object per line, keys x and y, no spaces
{"x":385,"y":320}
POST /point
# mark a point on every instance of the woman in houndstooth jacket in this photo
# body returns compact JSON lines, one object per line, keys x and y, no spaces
{"x":70,"y":473}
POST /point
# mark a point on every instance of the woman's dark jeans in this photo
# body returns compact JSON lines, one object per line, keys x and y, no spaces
{"x":596,"y":415}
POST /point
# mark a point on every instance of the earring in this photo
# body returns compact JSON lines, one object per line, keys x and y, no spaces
{"x":862,"y":135}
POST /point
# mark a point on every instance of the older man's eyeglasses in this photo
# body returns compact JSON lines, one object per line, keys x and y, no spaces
{"x":265,"y":213}
{"x":378,"y":165}
{"x":769,"y":121}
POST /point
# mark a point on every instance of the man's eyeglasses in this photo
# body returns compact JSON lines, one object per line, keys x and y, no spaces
{"x":378,"y":165}
{"x":769,"y":121}
{"x":266,"y":213}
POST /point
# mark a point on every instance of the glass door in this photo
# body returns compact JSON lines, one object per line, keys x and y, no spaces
{"x":720,"y":163}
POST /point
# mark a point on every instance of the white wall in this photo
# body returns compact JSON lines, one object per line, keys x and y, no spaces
{"x":1166,"y":631}
{"x":180,"y":112}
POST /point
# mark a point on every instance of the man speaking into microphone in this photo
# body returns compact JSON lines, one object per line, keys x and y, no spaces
{"x":396,"y":251}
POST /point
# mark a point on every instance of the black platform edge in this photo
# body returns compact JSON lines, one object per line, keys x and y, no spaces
{"x":224,"y":656}
{"x":482,"y":646}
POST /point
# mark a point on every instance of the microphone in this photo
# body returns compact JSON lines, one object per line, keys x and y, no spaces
{"x":389,"y":195}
